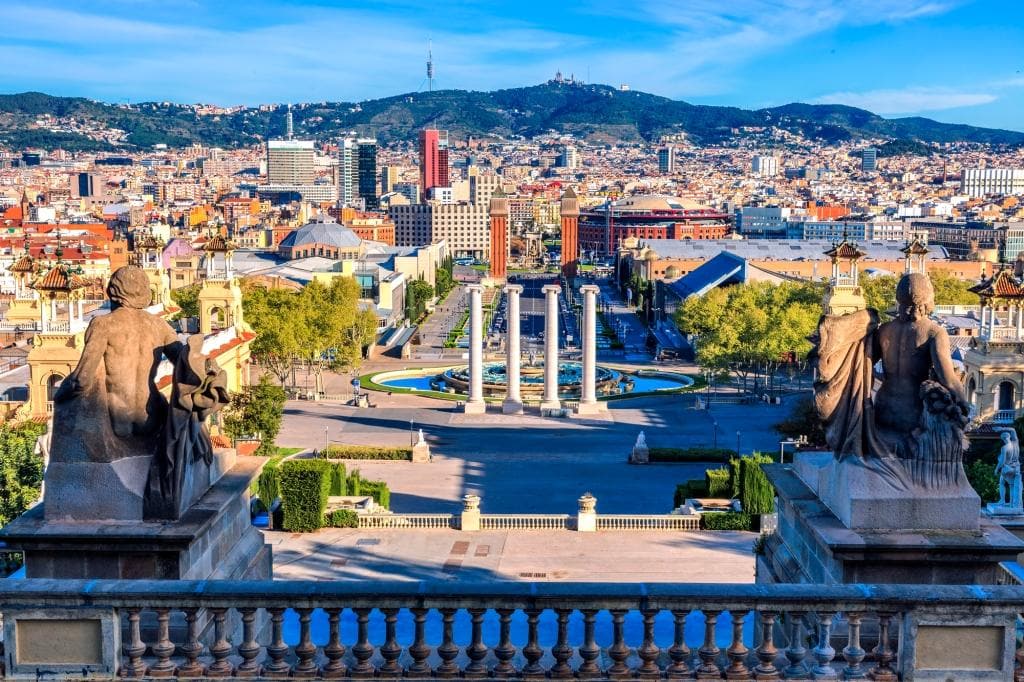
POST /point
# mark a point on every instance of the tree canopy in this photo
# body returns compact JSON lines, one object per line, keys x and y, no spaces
{"x":256,"y":411}
{"x":320,"y":324}
{"x":21,"y":470}
{"x":880,"y":290}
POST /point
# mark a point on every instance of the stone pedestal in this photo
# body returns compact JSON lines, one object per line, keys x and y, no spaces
{"x":420,"y":453}
{"x":470,"y":513}
{"x":640,"y":455}
{"x":586,"y":517}
{"x":213,"y":539}
{"x":812,"y":544}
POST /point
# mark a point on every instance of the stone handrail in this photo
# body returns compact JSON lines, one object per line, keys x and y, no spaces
{"x":219,"y":629}
{"x":648,"y":522}
{"x":410,"y":521}
{"x":525,"y":521}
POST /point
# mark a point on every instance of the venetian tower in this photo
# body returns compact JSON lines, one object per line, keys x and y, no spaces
{"x":24,"y":307}
{"x":844,"y":293}
{"x":220,"y":299}
{"x":499,"y":237}
{"x":570,"y":212}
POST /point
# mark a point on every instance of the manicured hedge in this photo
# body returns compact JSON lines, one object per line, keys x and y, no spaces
{"x":378,"y":490}
{"x":339,"y":482}
{"x":343,"y":518}
{"x":305,"y":486}
{"x":756,"y":493}
{"x":366,"y":452}
{"x":721,"y":455}
{"x":734,"y":476}
{"x":717,"y":481}
{"x":726,"y":521}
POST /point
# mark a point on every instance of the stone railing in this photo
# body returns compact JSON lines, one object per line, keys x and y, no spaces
{"x":418,"y":630}
{"x":526,"y":522}
{"x":410,"y":521}
{"x":648,"y":522}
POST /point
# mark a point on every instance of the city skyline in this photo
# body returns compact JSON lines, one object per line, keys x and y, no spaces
{"x":885,"y":56}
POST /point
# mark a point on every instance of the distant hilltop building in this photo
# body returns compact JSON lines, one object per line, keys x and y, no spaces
{"x":977,"y":182}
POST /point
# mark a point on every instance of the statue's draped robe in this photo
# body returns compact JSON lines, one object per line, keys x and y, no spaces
{"x":199,"y":390}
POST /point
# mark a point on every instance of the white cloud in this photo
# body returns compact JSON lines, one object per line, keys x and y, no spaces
{"x":907,"y":100}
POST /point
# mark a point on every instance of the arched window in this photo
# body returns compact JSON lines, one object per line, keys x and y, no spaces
{"x":218,"y":318}
{"x":972,"y":389}
{"x":52,"y":384}
{"x":1006,"y":397}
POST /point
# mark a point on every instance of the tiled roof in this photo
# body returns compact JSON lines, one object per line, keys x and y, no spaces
{"x":1003,"y":284}
{"x":218,"y":243}
{"x":915,"y":248}
{"x":23,"y":264}
{"x":59,"y":278}
{"x":845,"y":249}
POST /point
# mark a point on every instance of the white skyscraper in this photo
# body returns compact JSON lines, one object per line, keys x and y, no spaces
{"x":348,"y":171}
{"x":765,"y":166}
{"x":667,"y":159}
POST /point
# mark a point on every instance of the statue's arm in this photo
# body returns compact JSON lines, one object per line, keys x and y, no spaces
{"x":945,"y":373}
{"x":88,"y":365}
{"x":172,"y":346}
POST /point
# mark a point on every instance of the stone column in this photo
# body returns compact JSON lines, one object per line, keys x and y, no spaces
{"x":588,"y":395}
{"x":513,"y":401}
{"x":475,"y":404}
{"x":551,"y":401}
{"x":470,"y":512}
{"x":1020,"y":322}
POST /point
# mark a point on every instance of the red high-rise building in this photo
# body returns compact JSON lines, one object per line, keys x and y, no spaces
{"x":570,"y":212}
{"x":433,"y":159}
{"x":499,"y":234}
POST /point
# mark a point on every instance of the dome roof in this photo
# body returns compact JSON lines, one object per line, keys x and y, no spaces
{"x":331,"y":234}
{"x":59,"y":278}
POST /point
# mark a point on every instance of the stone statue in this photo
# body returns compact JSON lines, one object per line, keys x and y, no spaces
{"x":909,"y":431}
{"x":641,"y":442}
{"x":113,"y":429}
{"x":422,"y":440}
{"x":1008,"y":470}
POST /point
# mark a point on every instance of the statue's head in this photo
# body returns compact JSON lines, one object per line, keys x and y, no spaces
{"x":1005,"y":437}
{"x":915,"y":298}
{"x":129,"y":287}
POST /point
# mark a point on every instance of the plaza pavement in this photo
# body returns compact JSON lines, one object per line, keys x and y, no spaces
{"x":528,"y":464}
{"x":538,"y":556}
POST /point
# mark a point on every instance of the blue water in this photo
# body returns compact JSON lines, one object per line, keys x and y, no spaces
{"x":547,"y":628}
{"x":640,"y":384}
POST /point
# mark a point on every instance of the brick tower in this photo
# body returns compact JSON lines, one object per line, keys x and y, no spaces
{"x":570,"y":211}
{"x":499,"y":234}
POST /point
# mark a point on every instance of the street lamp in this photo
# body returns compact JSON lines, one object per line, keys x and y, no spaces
{"x":412,"y":438}
{"x":714,"y":427}
{"x":327,"y":441}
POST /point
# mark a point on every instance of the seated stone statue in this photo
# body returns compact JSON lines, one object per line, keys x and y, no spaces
{"x":909,"y":431}
{"x":119,"y":449}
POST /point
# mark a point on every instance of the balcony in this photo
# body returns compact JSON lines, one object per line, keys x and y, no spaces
{"x":419,"y":630}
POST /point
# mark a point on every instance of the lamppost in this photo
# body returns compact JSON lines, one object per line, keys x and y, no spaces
{"x":327,"y":441}
{"x":714,"y":428}
{"x":412,"y":438}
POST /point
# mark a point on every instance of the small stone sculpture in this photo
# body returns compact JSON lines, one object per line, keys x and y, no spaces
{"x":910,"y":432}
{"x":1008,"y":470}
{"x":422,"y":440}
{"x":641,"y":442}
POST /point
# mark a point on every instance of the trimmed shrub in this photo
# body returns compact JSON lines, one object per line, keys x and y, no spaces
{"x":355,"y":483}
{"x":691,"y":489}
{"x":756,"y":493}
{"x":734,"y":477}
{"x":720,"y":455}
{"x":366,"y":452}
{"x":305,"y":486}
{"x":343,"y":518}
{"x":717,"y":482}
{"x":982,"y":477}
{"x":268,"y":485}
{"x":378,"y":490}
{"x":339,"y":482}
{"x":726,"y":521}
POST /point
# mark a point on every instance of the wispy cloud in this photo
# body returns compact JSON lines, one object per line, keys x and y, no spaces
{"x":908,"y":100}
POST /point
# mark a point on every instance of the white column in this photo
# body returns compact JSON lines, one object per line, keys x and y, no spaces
{"x":1020,"y":321}
{"x":513,"y":401}
{"x":475,"y":404}
{"x":209,"y":264}
{"x":588,"y":396}
{"x":992,"y":321}
{"x":551,"y":401}
{"x":228,"y":264}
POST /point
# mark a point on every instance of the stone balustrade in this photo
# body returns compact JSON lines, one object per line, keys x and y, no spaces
{"x":524,"y":522}
{"x":419,"y":630}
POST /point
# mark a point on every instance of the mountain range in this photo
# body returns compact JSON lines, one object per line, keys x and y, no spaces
{"x":598,"y":113}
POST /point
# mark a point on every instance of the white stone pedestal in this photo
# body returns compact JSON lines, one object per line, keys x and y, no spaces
{"x":640,"y":456}
{"x":474,"y":408}
{"x":511,"y":407}
{"x":470,"y":512}
{"x":586,"y":517}
{"x":585,"y":409}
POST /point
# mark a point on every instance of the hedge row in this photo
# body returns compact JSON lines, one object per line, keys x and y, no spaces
{"x":694,"y":488}
{"x":722,"y":455}
{"x":718,"y":483}
{"x":378,"y":490}
{"x":756,"y":493}
{"x":305,"y":485}
{"x":726,"y":521}
{"x":366,"y":452}
{"x":342,"y":518}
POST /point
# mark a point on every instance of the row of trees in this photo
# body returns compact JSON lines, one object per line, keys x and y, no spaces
{"x":321,"y":325}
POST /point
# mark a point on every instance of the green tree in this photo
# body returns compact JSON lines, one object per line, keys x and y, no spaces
{"x":187,"y":298}
{"x":417,"y":294}
{"x":256,"y":411}
{"x":275,"y":316}
{"x":21,"y":470}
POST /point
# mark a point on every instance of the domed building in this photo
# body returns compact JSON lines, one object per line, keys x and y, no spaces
{"x":327,"y":240}
{"x":654,"y":216}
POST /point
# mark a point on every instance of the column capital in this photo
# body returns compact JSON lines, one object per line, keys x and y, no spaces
{"x":552,"y":289}
{"x":513,"y":288}
{"x":475,"y":287}
{"x":590,"y":289}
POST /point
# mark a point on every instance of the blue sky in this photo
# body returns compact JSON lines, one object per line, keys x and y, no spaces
{"x":952,"y":60}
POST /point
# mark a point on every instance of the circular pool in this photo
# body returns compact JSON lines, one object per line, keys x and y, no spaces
{"x":570,"y":379}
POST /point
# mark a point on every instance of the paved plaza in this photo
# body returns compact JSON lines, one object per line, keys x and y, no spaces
{"x":526,"y":464}
{"x":555,"y":555}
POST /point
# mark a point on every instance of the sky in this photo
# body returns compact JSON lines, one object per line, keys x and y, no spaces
{"x":957,"y":61}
